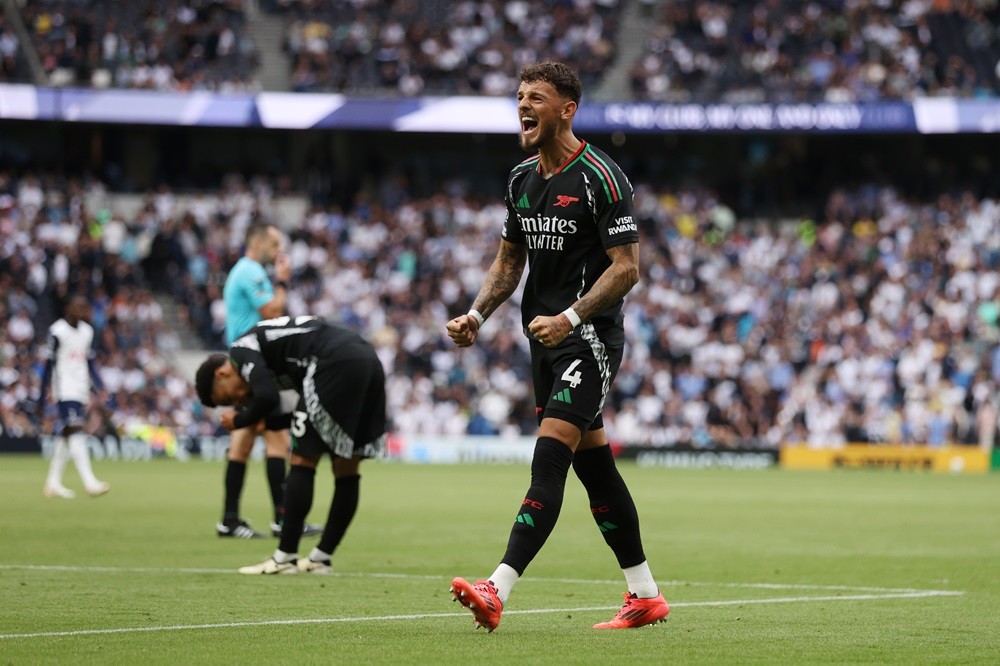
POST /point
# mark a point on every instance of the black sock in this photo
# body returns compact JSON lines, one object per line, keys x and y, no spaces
{"x":235,"y":471}
{"x":611,"y":504}
{"x":276,"y":481}
{"x":342,"y":510}
{"x":298,"y":501}
{"x":540,"y":509}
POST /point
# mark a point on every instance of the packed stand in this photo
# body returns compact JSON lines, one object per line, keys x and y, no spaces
{"x":12,"y":63}
{"x":822,"y":51}
{"x":471,"y":47}
{"x":880,"y":321}
{"x":152,"y":44}
{"x":877,"y":324}
{"x":53,"y":247}
{"x":858,"y":328}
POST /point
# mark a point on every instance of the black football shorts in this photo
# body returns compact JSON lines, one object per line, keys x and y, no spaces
{"x":572,"y":380}
{"x":342,"y":409}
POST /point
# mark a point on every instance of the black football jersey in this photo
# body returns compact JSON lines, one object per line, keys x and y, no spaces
{"x":567,"y":221}
{"x":277,"y":354}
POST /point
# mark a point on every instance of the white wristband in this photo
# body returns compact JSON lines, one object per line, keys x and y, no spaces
{"x":573,"y":317}
{"x":478,"y":316}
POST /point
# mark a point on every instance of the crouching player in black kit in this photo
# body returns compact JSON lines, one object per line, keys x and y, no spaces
{"x":341,"y":411}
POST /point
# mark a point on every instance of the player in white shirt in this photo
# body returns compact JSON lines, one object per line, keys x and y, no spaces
{"x":70,"y":373}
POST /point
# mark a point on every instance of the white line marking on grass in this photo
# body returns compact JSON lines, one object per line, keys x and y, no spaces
{"x":72,"y":569}
{"x":846,"y":597}
{"x":803,"y":586}
{"x":423,"y":616}
{"x":404,"y":576}
{"x":761,"y":586}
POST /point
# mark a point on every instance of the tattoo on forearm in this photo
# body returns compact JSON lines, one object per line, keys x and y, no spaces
{"x":613,"y":284}
{"x":501,"y":281}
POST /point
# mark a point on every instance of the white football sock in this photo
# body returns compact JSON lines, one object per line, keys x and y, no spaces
{"x":58,"y":463}
{"x":504,"y":579}
{"x":640,"y":581}
{"x":81,"y":458}
{"x":317,"y":555}
{"x":281,"y":557}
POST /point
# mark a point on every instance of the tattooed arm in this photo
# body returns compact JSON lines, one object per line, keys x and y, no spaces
{"x":613,"y":284}
{"x":501,"y":281}
{"x":502,"y":278}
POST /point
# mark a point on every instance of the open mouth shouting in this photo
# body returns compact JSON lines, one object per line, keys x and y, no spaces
{"x":529,"y":127}
{"x":528,"y":124}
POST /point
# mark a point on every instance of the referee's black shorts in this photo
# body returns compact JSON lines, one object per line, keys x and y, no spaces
{"x":342,"y":408}
{"x":573,"y":379}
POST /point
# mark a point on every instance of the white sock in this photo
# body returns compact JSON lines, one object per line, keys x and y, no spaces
{"x":58,"y":463}
{"x":504,"y":579}
{"x":317,"y":555}
{"x":81,"y":458}
{"x":640,"y":581}
{"x":281,"y":557}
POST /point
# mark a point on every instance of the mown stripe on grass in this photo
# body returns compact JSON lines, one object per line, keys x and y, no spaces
{"x":406,"y":576}
{"x":423,"y":616}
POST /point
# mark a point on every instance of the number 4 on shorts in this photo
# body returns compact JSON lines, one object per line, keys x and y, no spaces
{"x":574,"y":378}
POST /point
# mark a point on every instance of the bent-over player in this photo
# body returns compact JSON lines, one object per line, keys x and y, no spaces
{"x":341,"y":411}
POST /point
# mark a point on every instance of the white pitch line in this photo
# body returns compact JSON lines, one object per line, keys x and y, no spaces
{"x":423,"y":616}
{"x":404,"y":576}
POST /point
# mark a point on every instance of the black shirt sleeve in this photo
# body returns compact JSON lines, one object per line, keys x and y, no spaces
{"x":263,"y":388}
{"x":512,"y":232}
{"x":615,"y":214}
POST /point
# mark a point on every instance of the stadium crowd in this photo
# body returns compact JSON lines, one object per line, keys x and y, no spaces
{"x":468,"y":47}
{"x":152,"y":44}
{"x":786,"y":52}
{"x":12,"y":64}
{"x":53,"y":247}
{"x":878,"y":321}
{"x":697,"y":50}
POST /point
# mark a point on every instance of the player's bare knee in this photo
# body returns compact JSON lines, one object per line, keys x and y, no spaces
{"x":298,"y":460}
{"x":593,"y":439}
{"x":276,"y":443}
{"x":564,"y":431}
{"x":241,"y":444}
{"x":346,"y":467}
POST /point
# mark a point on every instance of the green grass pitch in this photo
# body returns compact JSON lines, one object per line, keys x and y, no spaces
{"x":768,"y":567}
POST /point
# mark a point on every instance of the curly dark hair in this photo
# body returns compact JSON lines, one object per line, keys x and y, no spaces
{"x":204,"y":379}
{"x":560,"y":76}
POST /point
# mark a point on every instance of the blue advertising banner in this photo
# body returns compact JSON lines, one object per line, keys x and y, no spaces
{"x":888,"y":117}
{"x":485,"y":115}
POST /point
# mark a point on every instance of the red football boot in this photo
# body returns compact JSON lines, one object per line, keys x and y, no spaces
{"x":637,"y":613}
{"x":480,"y":598}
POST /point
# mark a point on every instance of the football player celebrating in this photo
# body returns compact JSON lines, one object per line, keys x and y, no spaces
{"x":570,"y":215}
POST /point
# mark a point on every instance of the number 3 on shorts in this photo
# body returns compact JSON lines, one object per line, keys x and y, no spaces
{"x":299,"y":423}
{"x":574,"y":378}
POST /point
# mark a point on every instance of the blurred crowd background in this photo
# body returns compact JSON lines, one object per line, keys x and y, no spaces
{"x":689,"y":50}
{"x":875,"y":321}
{"x":865,"y":311}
